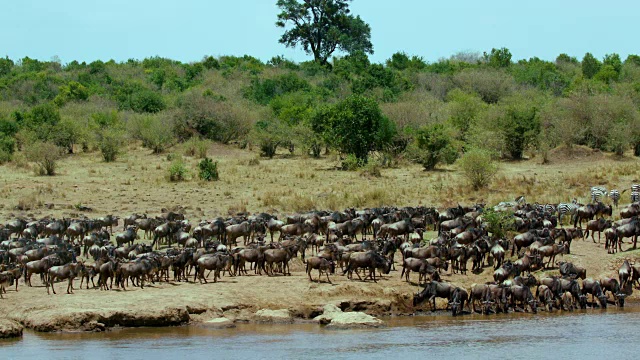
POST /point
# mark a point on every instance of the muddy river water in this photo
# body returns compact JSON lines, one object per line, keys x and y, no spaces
{"x":589,"y":334}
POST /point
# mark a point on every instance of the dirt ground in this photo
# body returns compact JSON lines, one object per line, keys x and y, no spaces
{"x":137,"y":183}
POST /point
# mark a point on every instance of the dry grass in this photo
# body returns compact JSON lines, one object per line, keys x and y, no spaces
{"x":136,"y":182}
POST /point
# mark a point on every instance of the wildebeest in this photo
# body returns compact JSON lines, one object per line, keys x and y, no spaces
{"x":612,"y":285}
{"x":598,"y":225}
{"x":322,"y":265}
{"x":545,"y":296}
{"x":568,"y":269}
{"x":128,"y":236}
{"x":457,"y":300}
{"x":63,"y":272}
{"x":523,"y":295}
{"x":624,"y":273}
{"x":591,"y":286}
{"x":215,"y":262}
{"x":367,"y":260}
{"x":482,"y":294}
{"x":431,"y":291}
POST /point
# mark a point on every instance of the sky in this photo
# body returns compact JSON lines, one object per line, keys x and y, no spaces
{"x":187,"y":30}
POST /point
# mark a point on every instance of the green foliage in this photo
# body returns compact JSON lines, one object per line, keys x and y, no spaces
{"x":632,"y":59}
{"x":354,"y":126}
{"x":281,"y":63}
{"x":433,"y":145}
{"x":351,"y":163}
{"x":464,"y":110}
{"x":196,"y":147}
{"x":541,"y":74}
{"x":208,"y":170}
{"x":45,"y":155}
{"x":73,"y":91}
{"x":133,"y":96}
{"x":111,"y":143}
{"x":478,"y":167}
{"x":607,"y":74}
{"x":155,"y":132}
{"x":7,"y":148}
{"x":294,"y":108}
{"x":519,"y":125}
{"x":178,"y":171}
{"x":499,"y":58}
{"x":491,"y":85}
{"x":590,"y":66}
{"x":263,"y":91}
{"x":401,"y":61}
{"x":269,"y":134}
{"x":498,"y":222}
{"x":564,"y":58}
{"x":209,"y":62}
{"x":6,"y":65}
{"x":614,"y":61}
{"x":322,"y":27}
{"x":212,"y":118}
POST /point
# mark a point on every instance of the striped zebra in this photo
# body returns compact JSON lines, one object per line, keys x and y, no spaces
{"x":597,"y":192}
{"x":635,"y":193}
{"x":550,"y":208}
{"x":567,"y":208}
{"x":615,"y":196}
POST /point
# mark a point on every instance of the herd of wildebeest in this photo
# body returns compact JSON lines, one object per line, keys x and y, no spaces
{"x":360,"y":242}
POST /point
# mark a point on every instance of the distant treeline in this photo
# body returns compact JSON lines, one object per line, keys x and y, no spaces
{"x":427,"y":112}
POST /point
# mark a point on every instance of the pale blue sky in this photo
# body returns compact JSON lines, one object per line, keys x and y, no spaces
{"x":186,"y":30}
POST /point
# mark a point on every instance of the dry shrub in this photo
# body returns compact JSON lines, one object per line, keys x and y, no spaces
{"x":238,"y":208}
{"x":300,"y":203}
{"x":29,"y":202}
{"x":271,"y":199}
{"x":196,"y":147}
{"x":45,"y":155}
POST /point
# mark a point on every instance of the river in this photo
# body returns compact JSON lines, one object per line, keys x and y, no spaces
{"x":591,"y":334}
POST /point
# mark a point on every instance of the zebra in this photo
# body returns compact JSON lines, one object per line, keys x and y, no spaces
{"x":615,"y":196}
{"x":550,"y":208}
{"x":635,"y":193}
{"x":567,"y":208}
{"x":597,"y":192}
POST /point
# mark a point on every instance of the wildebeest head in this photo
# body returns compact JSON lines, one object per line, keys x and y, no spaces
{"x":429,"y":290}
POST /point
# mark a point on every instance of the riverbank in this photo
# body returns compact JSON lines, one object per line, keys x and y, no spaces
{"x":240,"y":299}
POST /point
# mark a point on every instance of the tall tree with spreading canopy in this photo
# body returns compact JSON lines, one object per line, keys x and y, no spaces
{"x":322,"y":27}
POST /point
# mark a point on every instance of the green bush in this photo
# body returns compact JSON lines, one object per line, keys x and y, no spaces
{"x":212,"y":118}
{"x":178,"y":171}
{"x":208,"y":170}
{"x":432,"y":145}
{"x":45,"y":155}
{"x":498,"y":222}
{"x":110,"y":142}
{"x":269,"y":134}
{"x":351,"y":163}
{"x":354,"y":126}
{"x":196,"y":147}
{"x":156,"y":132}
{"x":478,"y":167}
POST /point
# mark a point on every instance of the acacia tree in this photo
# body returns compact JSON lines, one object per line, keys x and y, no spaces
{"x":322,"y":27}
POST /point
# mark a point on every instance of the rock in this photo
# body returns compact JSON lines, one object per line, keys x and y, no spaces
{"x":333,"y":317}
{"x":219,"y":323}
{"x":273,"y":316}
{"x":10,"y":329}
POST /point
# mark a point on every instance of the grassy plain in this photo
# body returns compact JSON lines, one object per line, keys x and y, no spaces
{"x":137,"y":183}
